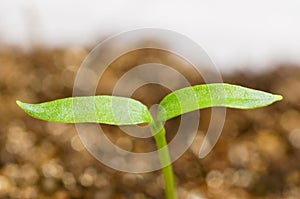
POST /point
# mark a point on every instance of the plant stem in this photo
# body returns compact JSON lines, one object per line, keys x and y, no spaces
{"x":160,"y":138}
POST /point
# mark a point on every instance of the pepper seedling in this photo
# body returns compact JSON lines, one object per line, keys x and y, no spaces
{"x":114,"y":110}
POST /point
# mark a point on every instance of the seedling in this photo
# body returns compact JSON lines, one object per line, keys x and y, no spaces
{"x":114,"y":110}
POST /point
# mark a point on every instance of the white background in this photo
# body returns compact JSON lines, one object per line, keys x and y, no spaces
{"x":236,"y":34}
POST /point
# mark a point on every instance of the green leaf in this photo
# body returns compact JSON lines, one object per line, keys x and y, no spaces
{"x":94,"y":109}
{"x":212,"y":95}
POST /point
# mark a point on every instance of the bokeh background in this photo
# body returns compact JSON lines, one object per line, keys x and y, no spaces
{"x":254,"y":44}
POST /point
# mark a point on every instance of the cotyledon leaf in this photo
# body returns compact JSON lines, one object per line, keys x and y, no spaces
{"x":212,"y":95}
{"x":94,"y":109}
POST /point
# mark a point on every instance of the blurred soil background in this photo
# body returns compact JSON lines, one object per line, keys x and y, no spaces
{"x":256,"y":157}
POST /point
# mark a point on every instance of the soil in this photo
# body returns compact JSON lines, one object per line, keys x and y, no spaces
{"x":256,"y":157}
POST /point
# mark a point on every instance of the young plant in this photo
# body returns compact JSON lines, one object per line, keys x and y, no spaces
{"x":115,"y":110}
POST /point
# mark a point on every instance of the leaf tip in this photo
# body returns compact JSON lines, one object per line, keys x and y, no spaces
{"x":20,"y":104}
{"x":24,"y":106}
{"x":278,"y":97}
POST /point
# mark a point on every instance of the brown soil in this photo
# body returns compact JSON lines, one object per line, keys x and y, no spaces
{"x":257,"y":156}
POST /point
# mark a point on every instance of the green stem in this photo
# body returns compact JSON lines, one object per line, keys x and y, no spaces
{"x":160,"y":138}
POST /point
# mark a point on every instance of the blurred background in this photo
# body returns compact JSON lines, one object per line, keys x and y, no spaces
{"x":254,"y":44}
